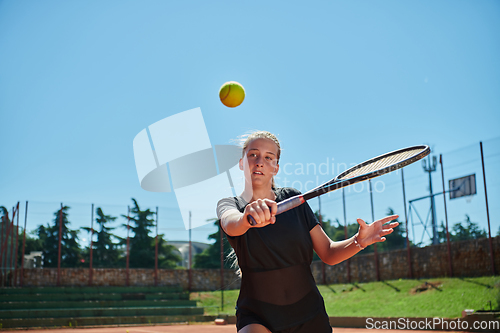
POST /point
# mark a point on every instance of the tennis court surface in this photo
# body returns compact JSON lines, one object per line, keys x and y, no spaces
{"x":202,"y":328}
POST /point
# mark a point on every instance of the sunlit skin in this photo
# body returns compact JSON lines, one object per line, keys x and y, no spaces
{"x":259,"y":164}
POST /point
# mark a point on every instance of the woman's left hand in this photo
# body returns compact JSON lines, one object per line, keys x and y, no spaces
{"x":375,"y":232}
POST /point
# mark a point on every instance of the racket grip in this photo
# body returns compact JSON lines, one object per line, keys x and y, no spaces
{"x":251,"y":220}
{"x":290,"y":203}
{"x":283,"y":206}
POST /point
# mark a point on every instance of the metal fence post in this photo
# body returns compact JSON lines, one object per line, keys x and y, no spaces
{"x":348,"y":261}
{"x":487,"y":211}
{"x":446,"y":217}
{"x":156,"y":249}
{"x":21,"y":280}
{"x":16,"y":246}
{"x":128,"y":248}
{"x":408,"y":247}
{"x":377,"y":269}
{"x":59,"y":247}
{"x":91,"y":243}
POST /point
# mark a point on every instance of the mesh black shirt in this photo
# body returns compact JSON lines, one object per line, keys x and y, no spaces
{"x":277,"y":284}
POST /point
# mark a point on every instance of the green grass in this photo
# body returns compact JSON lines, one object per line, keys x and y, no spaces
{"x":211,"y":300}
{"x":441,"y":297}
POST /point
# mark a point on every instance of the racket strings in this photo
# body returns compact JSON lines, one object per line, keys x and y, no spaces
{"x":382,"y":163}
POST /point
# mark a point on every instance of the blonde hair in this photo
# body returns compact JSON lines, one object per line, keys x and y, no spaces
{"x":247,"y":138}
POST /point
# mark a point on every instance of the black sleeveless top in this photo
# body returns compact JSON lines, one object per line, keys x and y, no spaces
{"x":277,"y":284}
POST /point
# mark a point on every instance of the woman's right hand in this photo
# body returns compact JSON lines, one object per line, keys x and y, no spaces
{"x":263,"y":211}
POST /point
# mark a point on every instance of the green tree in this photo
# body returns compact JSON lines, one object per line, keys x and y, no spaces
{"x":105,"y":252}
{"x":210,"y":257}
{"x":459,"y":231}
{"x":4,"y":214}
{"x":6,"y":239}
{"x":442,"y":233}
{"x":471,"y":230}
{"x":336,"y":231}
{"x":142,"y":245}
{"x":167,"y":257}
{"x":142,"y":251}
{"x":33,"y":243}
{"x":49,"y":236}
{"x":397,"y":239}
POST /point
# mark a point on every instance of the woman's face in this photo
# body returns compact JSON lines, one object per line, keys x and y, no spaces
{"x":260,"y":162}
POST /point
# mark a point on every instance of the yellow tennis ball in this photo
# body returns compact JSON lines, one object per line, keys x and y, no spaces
{"x":232,"y":94}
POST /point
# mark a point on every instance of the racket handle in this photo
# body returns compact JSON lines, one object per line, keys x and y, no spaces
{"x":290,"y":203}
{"x":251,"y":220}
{"x":283,"y":206}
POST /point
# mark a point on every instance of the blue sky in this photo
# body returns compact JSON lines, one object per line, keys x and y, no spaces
{"x":341,"y":80}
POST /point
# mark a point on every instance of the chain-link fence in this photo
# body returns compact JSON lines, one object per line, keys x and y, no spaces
{"x":425,"y":213}
{"x":467,"y":217}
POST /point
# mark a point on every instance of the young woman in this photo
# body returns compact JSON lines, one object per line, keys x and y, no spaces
{"x":278,"y":292}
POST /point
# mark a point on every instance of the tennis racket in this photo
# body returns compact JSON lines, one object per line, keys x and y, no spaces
{"x":369,"y":169}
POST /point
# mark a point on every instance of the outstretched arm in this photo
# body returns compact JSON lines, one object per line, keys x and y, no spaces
{"x":335,"y":252}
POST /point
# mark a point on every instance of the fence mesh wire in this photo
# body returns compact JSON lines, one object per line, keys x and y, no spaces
{"x":387,"y":192}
